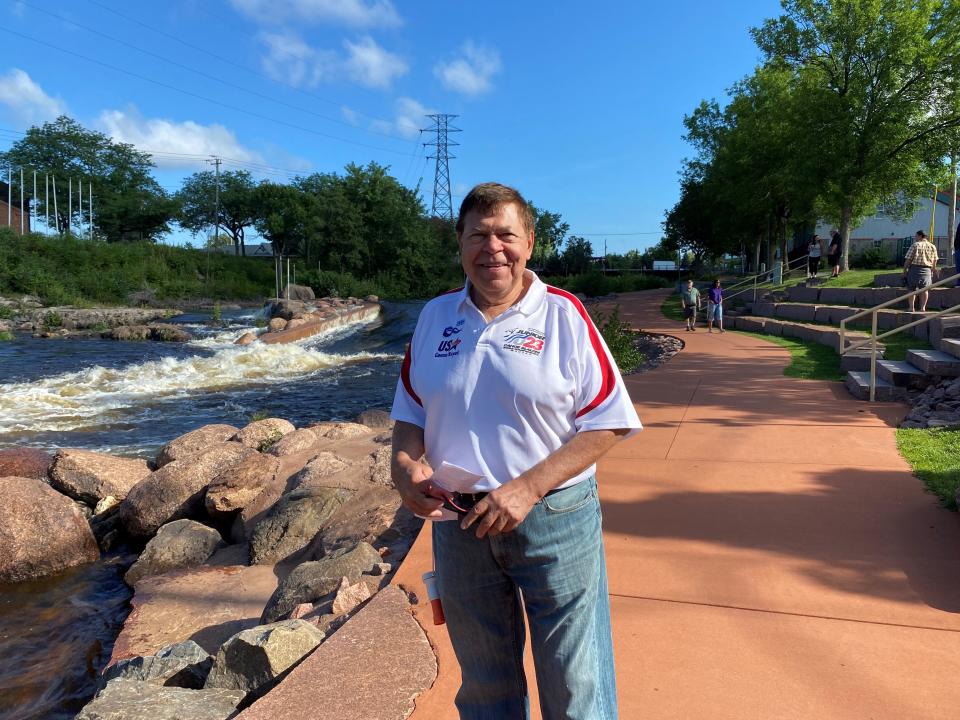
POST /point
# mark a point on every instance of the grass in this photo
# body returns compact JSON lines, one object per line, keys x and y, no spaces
{"x":808,"y":360}
{"x":934,"y":456}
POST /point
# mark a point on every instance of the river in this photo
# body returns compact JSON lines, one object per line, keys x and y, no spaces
{"x":130,"y":398}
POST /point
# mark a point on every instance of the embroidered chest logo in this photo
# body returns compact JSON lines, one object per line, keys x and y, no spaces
{"x":450,"y":348}
{"x":525,"y":342}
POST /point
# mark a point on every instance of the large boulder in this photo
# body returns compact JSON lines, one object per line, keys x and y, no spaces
{"x":374,"y":515}
{"x":375,"y":418}
{"x":165,"y":332}
{"x":179,"y":544}
{"x":193,"y":442}
{"x":296,"y":442}
{"x":261,"y":434}
{"x":317,"y":582}
{"x":176,"y":490}
{"x":137,"y":700}
{"x":91,"y":476}
{"x":340,"y":430}
{"x":253,"y":660}
{"x":184,"y":664}
{"x":286,"y":309}
{"x":41,"y":531}
{"x":234,"y":489}
{"x":25,"y":463}
{"x":303,"y":293}
{"x":291,"y":524}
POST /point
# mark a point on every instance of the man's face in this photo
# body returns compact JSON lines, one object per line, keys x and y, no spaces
{"x":494,"y":249}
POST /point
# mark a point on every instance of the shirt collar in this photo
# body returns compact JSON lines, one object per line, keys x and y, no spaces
{"x":528,"y":304}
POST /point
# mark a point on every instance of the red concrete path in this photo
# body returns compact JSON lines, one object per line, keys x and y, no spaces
{"x":771,"y":556}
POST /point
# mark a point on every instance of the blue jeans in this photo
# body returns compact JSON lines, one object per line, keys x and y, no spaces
{"x":552,"y":564}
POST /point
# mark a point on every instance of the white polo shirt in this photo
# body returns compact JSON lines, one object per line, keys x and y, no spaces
{"x":498,"y":397}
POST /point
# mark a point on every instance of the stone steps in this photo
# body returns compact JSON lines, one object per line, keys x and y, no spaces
{"x":951,"y":347}
{"x":892,"y":279}
{"x":940,"y":298}
{"x":858,"y":383}
{"x":834,"y":314}
{"x":823,"y":334}
{"x":935,"y":362}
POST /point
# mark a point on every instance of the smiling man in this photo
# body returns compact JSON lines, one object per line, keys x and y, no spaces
{"x":509,"y":379}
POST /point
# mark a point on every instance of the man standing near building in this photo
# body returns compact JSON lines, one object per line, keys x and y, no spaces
{"x":834,"y":252}
{"x":919,"y":269}
{"x":509,"y":380}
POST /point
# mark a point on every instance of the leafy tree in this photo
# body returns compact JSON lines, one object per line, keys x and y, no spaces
{"x":285,"y":217}
{"x":877,"y":79}
{"x":549,"y":231}
{"x":128,"y":203}
{"x":577,"y":255}
{"x":238,"y":209}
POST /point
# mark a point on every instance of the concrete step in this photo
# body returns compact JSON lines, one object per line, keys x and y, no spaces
{"x":825,"y":335}
{"x":935,"y":362}
{"x":940,"y":298}
{"x":950,"y":347}
{"x":902,"y":374}
{"x":892,"y":279}
{"x":835,"y":314}
{"x":858,"y":383}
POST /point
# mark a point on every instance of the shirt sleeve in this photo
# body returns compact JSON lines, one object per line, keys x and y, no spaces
{"x":911,"y":251}
{"x":603,"y":402}
{"x":407,"y":406}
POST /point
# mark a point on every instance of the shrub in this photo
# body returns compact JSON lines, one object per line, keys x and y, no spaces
{"x":52,"y":320}
{"x":620,"y":338}
{"x":872,"y":259}
{"x":6,"y":312}
{"x":5,"y":336}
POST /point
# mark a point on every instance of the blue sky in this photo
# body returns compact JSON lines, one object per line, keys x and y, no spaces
{"x":580,"y":105}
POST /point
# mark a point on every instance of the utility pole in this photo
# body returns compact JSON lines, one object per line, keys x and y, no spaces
{"x":90,"y":206}
{"x":952,"y":214}
{"x":442,"y":201}
{"x":9,"y":195}
{"x":216,"y":205}
{"x":21,"y":201}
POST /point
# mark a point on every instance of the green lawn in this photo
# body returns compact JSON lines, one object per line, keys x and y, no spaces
{"x":934,"y":456}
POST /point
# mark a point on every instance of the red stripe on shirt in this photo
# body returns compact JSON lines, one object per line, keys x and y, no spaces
{"x":608,"y":376}
{"x":405,"y":377}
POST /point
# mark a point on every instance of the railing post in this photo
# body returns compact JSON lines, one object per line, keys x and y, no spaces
{"x":873,"y":356}
{"x":843,"y":337}
{"x":754,"y":288}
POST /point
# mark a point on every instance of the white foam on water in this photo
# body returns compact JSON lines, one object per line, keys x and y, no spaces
{"x":89,"y":397}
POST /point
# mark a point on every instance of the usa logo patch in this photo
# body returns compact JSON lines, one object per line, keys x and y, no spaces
{"x":525,"y":342}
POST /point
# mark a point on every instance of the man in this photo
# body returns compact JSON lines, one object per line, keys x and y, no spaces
{"x":834,"y":252}
{"x":919,"y":268}
{"x":690,"y":300}
{"x":509,"y":379}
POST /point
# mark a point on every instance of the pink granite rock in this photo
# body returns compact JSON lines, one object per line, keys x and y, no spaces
{"x":25,"y":462}
{"x":193,"y":442}
{"x":91,"y":476}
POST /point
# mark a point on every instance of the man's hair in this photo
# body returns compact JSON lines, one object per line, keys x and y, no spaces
{"x":922,"y":234}
{"x":487,"y":198}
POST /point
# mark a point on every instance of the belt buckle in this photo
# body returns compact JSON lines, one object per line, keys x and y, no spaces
{"x":462,"y":503}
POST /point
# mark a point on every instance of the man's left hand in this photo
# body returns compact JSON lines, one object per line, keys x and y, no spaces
{"x":502,"y":509}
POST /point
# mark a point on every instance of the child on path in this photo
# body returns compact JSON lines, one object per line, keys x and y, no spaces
{"x":715,"y":306}
{"x":690,"y":299}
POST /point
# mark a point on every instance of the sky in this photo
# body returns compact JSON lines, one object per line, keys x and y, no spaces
{"x":578,"y":105}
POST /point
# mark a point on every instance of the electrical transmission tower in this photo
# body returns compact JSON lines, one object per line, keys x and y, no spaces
{"x":442,"y":202}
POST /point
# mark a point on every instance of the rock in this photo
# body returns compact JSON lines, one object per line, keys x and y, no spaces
{"x":234,"y":489}
{"x":276,"y":325}
{"x":340,"y":431}
{"x":349,"y":596}
{"x":180,"y":544}
{"x":315,"y":582}
{"x":380,"y":470}
{"x":303,"y":293}
{"x":135,"y":700}
{"x":253,"y":660}
{"x":142,"y":298}
{"x":292,"y":523}
{"x":286,"y":309}
{"x":298,"y":321}
{"x":193,"y":442}
{"x":385,"y":641}
{"x":324,"y":465}
{"x":301,"y":611}
{"x":177,"y":489}
{"x":183,"y":665}
{"x":371,"y":299}
{"x":91,"y":476}
{"x":165,"y":332}
{"x":261,"y":434}
{"x":127,"y":333}
{"x":376,"y":419}
{"x":207,"y":604}
{"x":25,"y":463}
{"x":246,"y":339}
{"x":382,"y":569}
{"x":296,"y":442}
{"x":367,"y":517}
{"x":41,"y":531}
{"x":106,"y":505}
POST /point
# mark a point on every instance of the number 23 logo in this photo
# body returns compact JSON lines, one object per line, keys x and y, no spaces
{"x":532,"y":343}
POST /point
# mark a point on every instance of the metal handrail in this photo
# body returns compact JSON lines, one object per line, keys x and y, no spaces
{"x":872,"y":340}
{"x":754,"y":278}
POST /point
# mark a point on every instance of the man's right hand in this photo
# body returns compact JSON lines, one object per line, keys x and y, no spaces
{"x":419,"y":494}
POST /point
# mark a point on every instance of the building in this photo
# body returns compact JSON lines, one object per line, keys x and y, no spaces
{"x":10,"y":214}
{"x":893,"y":237}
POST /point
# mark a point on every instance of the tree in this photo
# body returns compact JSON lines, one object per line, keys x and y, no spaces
{"x":285,"y":217}
{"x":877,"y":78}
{"x":238,"y":209}
{"x":577,"y":255}
{"x":549,"y":231}
{"x":128,"y":203}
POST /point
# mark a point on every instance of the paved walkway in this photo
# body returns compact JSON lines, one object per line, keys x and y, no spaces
{"x":771,"y":556}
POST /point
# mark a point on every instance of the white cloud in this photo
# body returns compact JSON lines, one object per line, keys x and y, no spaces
{"x":160,"y":135}
{"x":292,"y":60}
{"x":371,"y":65}
{"x":26,"y":101}
{"x":410,"y":118}
{"x":350,"y":115}
{"x":470,"y":74}
{"x":355,"y":13}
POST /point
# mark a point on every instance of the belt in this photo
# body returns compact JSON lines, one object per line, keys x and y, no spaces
{"x":462,"y":503}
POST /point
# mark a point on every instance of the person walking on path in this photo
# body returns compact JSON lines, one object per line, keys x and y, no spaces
{"x":690,"y":300}
{"x":834,"y":252}
{"x":508,"y":380}
{"x":919,"y":269}
{"x":814,"y":253}
{"x":715,"y":306}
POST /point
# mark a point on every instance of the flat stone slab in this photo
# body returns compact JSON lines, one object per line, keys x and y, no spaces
{"x":901,"y":373}
{"x":360,"y":313}
{"x":950,"y":347}
{"x":934,"y":362}
{"x":858,"y":383}
{"x":370,"y":669}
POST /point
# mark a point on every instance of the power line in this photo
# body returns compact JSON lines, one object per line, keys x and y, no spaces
{"x":208,"y":76}
{"x":234,"y":108}
{"x":442,"y":204}
{"x":229,"y":61}
{"x":601,"y":234}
